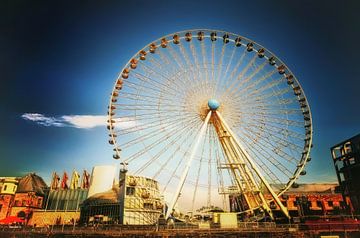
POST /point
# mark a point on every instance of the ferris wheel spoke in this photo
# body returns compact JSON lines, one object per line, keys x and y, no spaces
{"x":210,"y":165}
{"x":267,"y":144}
{"x":204,"y":61}
{"x":166,"y":146}
{"x":166,"y":61}
{"x":229,"y":63}
{"x":152,"y":144}
{"x":238,"y":86}
{"x":284,"y":140}
{"x":151,"y":123}
{"x":235,"y":69}
{"x":285,"y":132}
{"x":189,"y":134}
{"x":147,"y":89}
{"x":156,"y":83}
{"x":194,"y":73}
{"x":270,"y":117}
{"x":197,"y":63}
{"x":259,"y":95}
{"x":177,"y":73}
{"x":263,"y":93}
{"x":249,"y":90}
{"x":241,"y":75}
{"x":281,"y":129}
{"x":219,"y":69}
{"x":129,"y":118}
{"x":270,"y":173}
{"x":181,"y":67}
{"x":152,"y":133}
{"x":136,"y":97}
{"x":273,"y":133}
{"x":196,"y":185}
{"x":271,"y":110}
{"x":173,"y":174}
{"x":199,"y":137}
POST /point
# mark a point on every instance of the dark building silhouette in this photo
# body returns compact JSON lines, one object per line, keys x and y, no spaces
{"x":346,"y":158}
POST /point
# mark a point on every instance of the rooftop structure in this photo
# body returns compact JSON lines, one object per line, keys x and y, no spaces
{"x":346,"y":158}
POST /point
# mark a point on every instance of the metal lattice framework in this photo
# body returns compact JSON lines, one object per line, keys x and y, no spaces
{"x":208,"y":112}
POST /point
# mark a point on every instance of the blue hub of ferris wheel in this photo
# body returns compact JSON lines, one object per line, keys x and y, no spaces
{"x":213,"y":104}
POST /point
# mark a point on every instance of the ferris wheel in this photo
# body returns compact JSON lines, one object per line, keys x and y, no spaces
{"x":209,"y":114}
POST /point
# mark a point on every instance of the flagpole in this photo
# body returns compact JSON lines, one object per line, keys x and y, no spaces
{"x":67,"y":196}
{"x":78,"y":197}
{"x":57,"y":200}
{"x":48,"y":195}
{"x":51,"y":185}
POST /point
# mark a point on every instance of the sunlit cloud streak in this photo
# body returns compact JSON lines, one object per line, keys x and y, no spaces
{"x":76,"y":121}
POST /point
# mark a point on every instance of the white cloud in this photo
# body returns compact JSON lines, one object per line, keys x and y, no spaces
{"x":43,"y":120}
{"x":78,"y":121}
{"x":85,"y":121}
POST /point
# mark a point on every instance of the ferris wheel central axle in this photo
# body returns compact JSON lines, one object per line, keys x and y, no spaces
{"x":213,"y":104}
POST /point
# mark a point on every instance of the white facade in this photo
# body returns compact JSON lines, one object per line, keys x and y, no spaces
{"x":102,"y":179}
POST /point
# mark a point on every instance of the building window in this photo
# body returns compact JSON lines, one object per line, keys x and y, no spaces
{"x":284,"y":203}
{"x":5,"y":187}
{"x":0,"y":207}
{"x":318,"y":203}
{"x":330,"y":203}
{"x":130,"y":191}
{"x":14,"y":188}
{"x":39,"y":201}
{"x":148,"y":205}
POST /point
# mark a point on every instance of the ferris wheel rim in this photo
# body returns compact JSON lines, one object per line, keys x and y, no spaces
{"x":256,"y":48}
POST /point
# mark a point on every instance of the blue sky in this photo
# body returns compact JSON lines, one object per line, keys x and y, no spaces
{"x":61,"y":58}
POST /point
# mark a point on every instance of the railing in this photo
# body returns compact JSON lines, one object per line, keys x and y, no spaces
{"x":267,"y":227}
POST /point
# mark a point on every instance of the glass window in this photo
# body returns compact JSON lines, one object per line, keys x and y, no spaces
{"x":148,"y":205}
{"x":330,"y":203}
{"x":130,"y":191}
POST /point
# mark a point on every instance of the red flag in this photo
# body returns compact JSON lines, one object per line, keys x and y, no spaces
{"x":64,"y":180}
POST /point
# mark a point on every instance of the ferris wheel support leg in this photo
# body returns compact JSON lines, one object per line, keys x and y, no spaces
{"x":254,"y":167}
{"x":188,"y":164}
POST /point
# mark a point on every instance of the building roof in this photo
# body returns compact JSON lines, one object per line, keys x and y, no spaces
{"x":108,"y":197}
{"x":310,"y":188}
{"x":354,"y":138}
{"x":31,"y":183}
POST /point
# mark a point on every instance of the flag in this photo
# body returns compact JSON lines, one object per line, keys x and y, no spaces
{"x":55,"y":181}
{"x":64,"y":180}
{"x":74,"y":180}
{"x":85,"y":183}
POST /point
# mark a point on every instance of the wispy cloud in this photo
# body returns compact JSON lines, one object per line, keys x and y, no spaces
{"x":77,"y":121}
{"x":43,"y":120}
